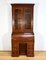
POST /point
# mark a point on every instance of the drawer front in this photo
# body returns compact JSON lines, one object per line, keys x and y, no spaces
{"x":30,"y":44}
{"x":30,"y":54}
{"x":30,"y":51}
{"x":15,"y":49}
{"x":15,"y":53}
{"x":15,"y":45}
{"x":23,"y":39}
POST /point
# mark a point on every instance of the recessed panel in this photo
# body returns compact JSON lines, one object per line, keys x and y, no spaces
{"x":27,"y":15}
{"x":22,"y":48}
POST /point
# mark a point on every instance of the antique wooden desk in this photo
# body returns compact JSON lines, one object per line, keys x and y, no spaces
{"x":22,"y":30}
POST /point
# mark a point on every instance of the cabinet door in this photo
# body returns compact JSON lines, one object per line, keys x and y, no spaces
{"x":22,"y":48}
{"x":28,"y":19}
{"x":18,"y":20}
{"x":22,"y":19}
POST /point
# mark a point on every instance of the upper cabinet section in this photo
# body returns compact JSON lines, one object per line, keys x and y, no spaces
{"x":22,"y":18}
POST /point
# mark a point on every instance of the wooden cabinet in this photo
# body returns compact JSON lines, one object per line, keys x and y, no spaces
{"x":22,"y":30}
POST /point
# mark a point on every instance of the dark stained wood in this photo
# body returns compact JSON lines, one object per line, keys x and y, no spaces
{"x":22,"y":30}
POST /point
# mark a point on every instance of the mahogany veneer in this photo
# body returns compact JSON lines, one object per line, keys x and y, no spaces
{"x":22,"y":35}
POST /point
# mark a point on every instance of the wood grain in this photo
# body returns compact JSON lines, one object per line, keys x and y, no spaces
{"x":22,"y":32}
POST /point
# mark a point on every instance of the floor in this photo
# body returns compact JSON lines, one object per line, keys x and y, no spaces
{"x":38,"y":56}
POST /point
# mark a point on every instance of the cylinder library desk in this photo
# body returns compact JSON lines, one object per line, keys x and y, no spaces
{"x":22,"y":30}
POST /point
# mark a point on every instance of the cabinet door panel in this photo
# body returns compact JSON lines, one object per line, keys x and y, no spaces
{"x":22,"y":20}
{"x":27,"y":16}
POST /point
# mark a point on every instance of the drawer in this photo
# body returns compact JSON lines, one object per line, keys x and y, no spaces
{"x":30,"y":55}
{"x":31,"y":43}
{"x":15,"y":53}
{"x":15,"y":41}
{"x":15,"y":48}
{"x":15,"y":45}
{"x":30,"y":48}
{"x":23,"y":39}
{"x":30,"y":52}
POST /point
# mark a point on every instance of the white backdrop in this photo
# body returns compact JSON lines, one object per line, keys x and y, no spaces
{"x":39,"y":23}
